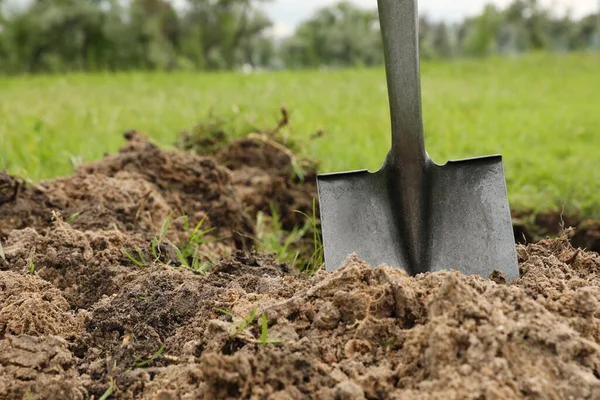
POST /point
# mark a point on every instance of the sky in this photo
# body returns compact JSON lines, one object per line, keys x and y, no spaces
{"x":286,"y":14}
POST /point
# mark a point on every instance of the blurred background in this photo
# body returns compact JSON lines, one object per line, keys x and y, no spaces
{"x":519,"y":78}
{"x":115,"y":35}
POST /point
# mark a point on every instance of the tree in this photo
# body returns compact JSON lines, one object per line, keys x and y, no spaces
{"x":339,"y":35}
{"x":155,"y":29}
{"x":222,"y":27}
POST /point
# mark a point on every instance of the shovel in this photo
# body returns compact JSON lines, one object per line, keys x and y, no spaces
{"x":412,"y":213}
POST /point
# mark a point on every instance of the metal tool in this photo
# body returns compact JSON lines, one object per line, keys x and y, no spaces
{"x":412,"y":213}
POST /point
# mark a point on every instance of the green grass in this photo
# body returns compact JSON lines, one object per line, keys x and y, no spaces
{"x":541,"y":112}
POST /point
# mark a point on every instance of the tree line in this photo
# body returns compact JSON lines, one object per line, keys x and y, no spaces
{"x":116,"y":35}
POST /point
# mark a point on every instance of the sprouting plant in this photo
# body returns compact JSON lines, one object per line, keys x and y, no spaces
{"x":140,"y":261}
{"x":76,"y":161}
{"x":188,"y":253}
{"x":246,"y":321}
{"x":73,"y":217}
{"x":157,"y":240}
{"x":298,"y":172}
{"x":390,"y":342}
{"x":272,"y":237}
{"x":108,"y":392}
{"x":317,"y":258}
{"x":264,"y":334}
{"x":154,"y":357}
{"x":197,"y":237}
{"x":31,"y":267}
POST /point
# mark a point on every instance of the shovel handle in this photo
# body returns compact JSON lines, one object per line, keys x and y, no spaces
{"x":399,"y":29}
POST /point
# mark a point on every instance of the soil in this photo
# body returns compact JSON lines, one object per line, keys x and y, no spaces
{"x":531,"y":227}
{"x":267,"y":175}
{"x":79,"y":319}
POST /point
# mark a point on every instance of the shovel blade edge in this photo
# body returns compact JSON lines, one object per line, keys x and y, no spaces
{"x":469,"y":226}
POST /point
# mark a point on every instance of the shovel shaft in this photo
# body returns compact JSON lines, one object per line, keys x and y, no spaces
{"x":398,"y":20}
{"x":407,"y":161}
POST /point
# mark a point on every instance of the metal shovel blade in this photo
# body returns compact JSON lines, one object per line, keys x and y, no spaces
{"x":467,"y":222}
{"x":412,"y":213}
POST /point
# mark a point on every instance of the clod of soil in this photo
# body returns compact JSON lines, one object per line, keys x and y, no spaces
{"x":195,"y":185}
{"x":530,"y":227}
{"x":266,"y":174}
{"x":133,"y":191}
{"x":79,"y":319}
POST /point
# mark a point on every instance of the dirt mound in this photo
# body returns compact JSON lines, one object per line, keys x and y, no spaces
{"x":133,"y":191}
{"x":196,"y":186}
{"x":377,"y":333}
{"x":89,"y":307}
{"x":267,"y":174}
{"x":355,"y":333}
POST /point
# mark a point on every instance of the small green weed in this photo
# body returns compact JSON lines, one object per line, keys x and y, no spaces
{"x":188,"y":253}
{"x":108,"y":392}
{"x":73,"y":217}
{"x":161,"y":236}
{"x":31,"y":267}
{"x":264,"y":335}
{"x":246,"y":321}
{"x":141,"y":261}
{"x":317,"y":258}
{"x":154,"y":357}
{"x":272,"y":238}
{"x":197,"y":237}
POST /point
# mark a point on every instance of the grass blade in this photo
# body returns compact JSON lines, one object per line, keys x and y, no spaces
{"x":154,"y":357}
{"x":108,"y":392}
{"x":139,"y":263}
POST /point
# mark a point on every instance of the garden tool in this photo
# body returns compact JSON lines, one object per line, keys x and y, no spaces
{"x":412,"y":213}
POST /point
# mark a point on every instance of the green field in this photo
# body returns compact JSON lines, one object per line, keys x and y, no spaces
{"x":541,"y":112}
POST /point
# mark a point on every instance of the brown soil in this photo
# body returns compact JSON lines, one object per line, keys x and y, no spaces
{"x":78,"y":317}
{"x":268,"y":176}
{"x":531,"y":227}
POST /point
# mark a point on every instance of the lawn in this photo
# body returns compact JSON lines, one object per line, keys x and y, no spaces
{"x":541,"y":112}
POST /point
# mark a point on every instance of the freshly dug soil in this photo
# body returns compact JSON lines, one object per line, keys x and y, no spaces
{"x":531,"y":227}
{"x":79,"y":319}
{"x":268,"y":175}
{"x":133,"y":191}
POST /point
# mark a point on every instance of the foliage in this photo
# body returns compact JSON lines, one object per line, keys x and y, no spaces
{"x":341,"y":35}
{"x":101,"y":35}
{"x":264,"y":333}
{"x":188,"y":253}
{"x":90,"y":35}
{"x":272,"y":238}
{"x":345,"y":35}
